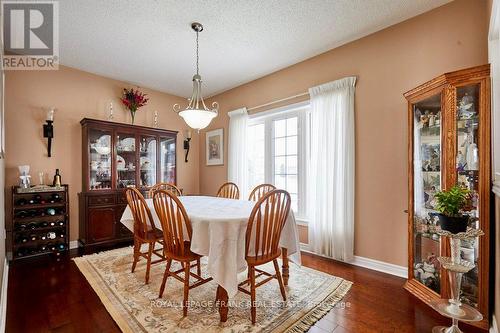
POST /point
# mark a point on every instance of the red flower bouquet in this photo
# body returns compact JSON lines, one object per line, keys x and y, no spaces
{"x":133,"y":100}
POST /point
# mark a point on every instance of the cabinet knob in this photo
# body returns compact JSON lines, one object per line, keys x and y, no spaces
{"x":405,"y":211}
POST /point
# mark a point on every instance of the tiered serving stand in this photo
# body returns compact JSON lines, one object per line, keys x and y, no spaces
{"x":456,"y":267}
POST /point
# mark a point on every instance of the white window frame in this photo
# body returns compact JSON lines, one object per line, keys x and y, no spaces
{"x":301,"y":111}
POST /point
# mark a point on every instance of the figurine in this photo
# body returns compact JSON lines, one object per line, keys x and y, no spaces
{"x":432,"y":120}
{"x":472,"y":157}
{"x":437,"y":121}
{"x":25,"y":178}
{"x":432,"y":259}
{"x":431,"y":200}
{"x":424,"y":271}
{"x":435,"y":162}
{"x":461,"y":161}
{"x":424,"y":119}
{"x":466,"y":107}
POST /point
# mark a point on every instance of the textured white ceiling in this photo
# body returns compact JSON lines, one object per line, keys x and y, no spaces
{"x":150,"y":43}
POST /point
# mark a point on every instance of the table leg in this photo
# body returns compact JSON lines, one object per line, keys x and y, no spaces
{"x":222,"y":302}
{"x":285,"y":272}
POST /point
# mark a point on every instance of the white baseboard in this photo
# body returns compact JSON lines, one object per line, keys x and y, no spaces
{"x":381,"y":266}
{"x":494,"y":324}
{"x":372,"y":264}
{"x":73,"y":244}
{"x":3,"y":296}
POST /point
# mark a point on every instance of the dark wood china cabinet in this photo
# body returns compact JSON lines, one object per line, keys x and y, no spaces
{"x":116,"y":156}
{"x":449,"y":143}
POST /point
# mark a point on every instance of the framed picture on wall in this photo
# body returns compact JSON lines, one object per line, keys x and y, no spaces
{"x":215,"y":147}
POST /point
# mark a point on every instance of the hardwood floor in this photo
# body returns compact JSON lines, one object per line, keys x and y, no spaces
{"x":46,"y":295}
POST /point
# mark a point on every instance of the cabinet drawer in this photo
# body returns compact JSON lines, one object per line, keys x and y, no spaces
{"x":121,"y":198}
{"x":101,"y":200}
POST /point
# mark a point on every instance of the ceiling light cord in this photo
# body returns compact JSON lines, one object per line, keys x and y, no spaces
{"x":197,"y":56}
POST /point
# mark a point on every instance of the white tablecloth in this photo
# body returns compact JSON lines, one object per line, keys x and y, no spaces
{"x":219,"y":227}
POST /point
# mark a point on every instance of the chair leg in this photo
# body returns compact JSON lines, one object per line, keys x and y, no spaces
{"x":136,"y":254}
{"x":187,"y":268}
{"x":253,"y":310}
{"x":280,"y":280}
{"x":198,"y":269}
{"x":248,"y":275}
{"x":148,"y":267}
{"x":165,"y":276}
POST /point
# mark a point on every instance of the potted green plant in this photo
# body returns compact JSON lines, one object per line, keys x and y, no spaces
{"x":451,"y":204}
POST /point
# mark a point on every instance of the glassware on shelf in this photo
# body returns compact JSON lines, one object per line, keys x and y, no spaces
{"x":147,"y":161}
{"x":468,"y":176}
{"x":125,"y":160}
{"x":167,"y":160}
{"x":41,"y":178}
{"x":100,"y":159}
{"x":427,"y":177}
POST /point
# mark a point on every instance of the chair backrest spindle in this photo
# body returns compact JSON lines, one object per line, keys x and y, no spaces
{"x":143,"y":220}
{"x":164,"y":186}
{"x":174,"y":221}
{"x":265,"y":224}
{"x":229,"y":190}
{"x":259,"y":191}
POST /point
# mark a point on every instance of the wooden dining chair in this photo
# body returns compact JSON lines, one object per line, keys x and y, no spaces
{"x":259,"y":191}
{"x":177,"y":234}
{"x":229,"y":190}
{"x":164,"y":186}
{"x":263,"y":234}
{"x":145,"y":231}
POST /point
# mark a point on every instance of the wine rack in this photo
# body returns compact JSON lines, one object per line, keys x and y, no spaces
{"x":39,"y":222}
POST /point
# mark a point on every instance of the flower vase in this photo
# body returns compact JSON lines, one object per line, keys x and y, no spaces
{"x":132,"y":113}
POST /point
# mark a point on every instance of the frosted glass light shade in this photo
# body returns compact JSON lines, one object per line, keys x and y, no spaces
{"x":197,"y":119}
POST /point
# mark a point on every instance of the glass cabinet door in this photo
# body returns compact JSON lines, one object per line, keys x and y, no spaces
{"x":125,"y":160}
{"x":467,"y":109}
{"x":427,"y":127}
{"x":147,"y":161}
{"x":99,"y":159}
{"x":167,"y":160}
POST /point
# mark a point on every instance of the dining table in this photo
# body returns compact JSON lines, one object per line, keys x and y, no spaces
{"x":219,"y":230}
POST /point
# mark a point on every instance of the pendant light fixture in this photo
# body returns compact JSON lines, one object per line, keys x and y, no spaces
{"x":196,"y":114}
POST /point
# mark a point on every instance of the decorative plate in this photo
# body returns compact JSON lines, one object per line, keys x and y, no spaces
{"x":128,"y":144}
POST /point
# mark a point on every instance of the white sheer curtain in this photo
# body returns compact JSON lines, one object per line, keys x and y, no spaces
{"x":237,"y":147}
{"x":330,"y":195}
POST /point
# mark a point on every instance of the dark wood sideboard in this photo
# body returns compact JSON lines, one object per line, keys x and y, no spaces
{"x":116,"y":156}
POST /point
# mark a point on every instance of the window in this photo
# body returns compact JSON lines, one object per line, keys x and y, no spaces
{"x":256,"y":150}
{"x":276,"y":152}
{"x":285,"y":156}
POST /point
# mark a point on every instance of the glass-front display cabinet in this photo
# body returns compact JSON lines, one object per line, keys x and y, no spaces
{"x":449,"y":144}
{"x":114,"y":157}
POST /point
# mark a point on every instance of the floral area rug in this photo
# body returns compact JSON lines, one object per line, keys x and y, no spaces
{"x":135,"y":306}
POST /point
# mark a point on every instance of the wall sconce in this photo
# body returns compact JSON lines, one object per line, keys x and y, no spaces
{"x":48,"y":130}
{"x":187,"y":139}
